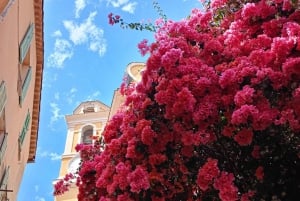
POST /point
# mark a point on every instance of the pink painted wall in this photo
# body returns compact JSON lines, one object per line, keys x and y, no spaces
{"x":13,"y":27}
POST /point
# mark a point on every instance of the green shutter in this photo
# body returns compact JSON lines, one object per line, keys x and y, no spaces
{"x":24,"y":128}
{"x":3,"y":96}
{"x":3,"y":146}
{"x":25,"y":85}
{"x":3,"y":184}
{"x":25,"y":44}
{"x":5,"y":10}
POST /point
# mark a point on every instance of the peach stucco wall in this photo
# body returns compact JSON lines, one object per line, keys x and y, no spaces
{"x":13,"y":27}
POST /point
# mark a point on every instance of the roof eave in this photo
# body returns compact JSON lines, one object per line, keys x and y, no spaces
{"x":39,"y":39}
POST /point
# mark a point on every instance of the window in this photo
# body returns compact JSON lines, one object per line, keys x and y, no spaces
{"x":26,"y":73}
{"x":87,"y":135}
{"x":3,"y":134}
{"x":25,"y":70}
{"x":3,"y":145}
{"x":23,"y":134}
{"x":3,"y":185}
{"x":4,"y":6}
{"x":24,"y":128}
{"x":25,"y":44}
{"x":3,"y":96}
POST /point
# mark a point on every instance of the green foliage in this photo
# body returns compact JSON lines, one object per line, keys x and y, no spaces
{"x":115,"y":19}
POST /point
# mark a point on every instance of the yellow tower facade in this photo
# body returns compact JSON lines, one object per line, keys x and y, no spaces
{"x":87,"y":120}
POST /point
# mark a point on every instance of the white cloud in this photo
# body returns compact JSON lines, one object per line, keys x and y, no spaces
{"x":52,"y":155}
{"x":117,"y":3}
{"x":93,"y":96}
{"x":57,"y":33}
{"x":87,"y":33}
{"x":126,"y":5}
{"x":46,"y":154}
{"x":70,"y":95}
{"x":79,"y":6}
{"x":62,"y":50}
{"x":49,"y":78}
{"x":55,"y":110}
{"x":38,"y":198}
{"x":130,"y":7}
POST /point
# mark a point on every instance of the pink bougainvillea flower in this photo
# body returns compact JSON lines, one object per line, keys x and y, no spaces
{"x":144,"y":48}
{"x":244,"y":137}
{"x":244,"y":96}
{"x":207,"y":173}
{"x":227,"y":190}
{"x":138,"y":180}
{"x":218,"y":105}
{"x":259,"y":173}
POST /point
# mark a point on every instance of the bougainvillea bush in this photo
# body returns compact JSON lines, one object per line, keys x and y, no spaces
{"x":216,"y":115}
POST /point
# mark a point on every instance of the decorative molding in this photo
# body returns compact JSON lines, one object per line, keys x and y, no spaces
{"x":73,"y":122}
{"x":39,"y":43}
{"x":98,"y":105}
{"x":71,"y":155}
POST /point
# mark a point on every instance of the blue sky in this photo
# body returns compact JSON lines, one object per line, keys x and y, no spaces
{"x":85,"y":59}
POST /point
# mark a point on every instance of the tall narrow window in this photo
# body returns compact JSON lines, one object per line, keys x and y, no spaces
{"x":4,"y":7}
{"x":2,"y":124}
{"x":25,"y":43}
{"x":3,"y":185}
{"x":25,"y":128}
{"x":3,"y":96}
{"x":87,"y":135}
{"x":3,"y":134}
{"x":25,"y":70}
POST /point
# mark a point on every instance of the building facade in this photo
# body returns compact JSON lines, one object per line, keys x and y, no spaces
{"x":21,"y":68}
{"x":88,"y":120}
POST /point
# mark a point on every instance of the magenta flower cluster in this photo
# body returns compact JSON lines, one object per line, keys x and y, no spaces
{"x":216,"y":115}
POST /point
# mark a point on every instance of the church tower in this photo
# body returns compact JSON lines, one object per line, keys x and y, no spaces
{"x":87,"y":120}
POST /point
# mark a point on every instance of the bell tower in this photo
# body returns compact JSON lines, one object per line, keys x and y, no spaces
{"x":86,"y":122}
